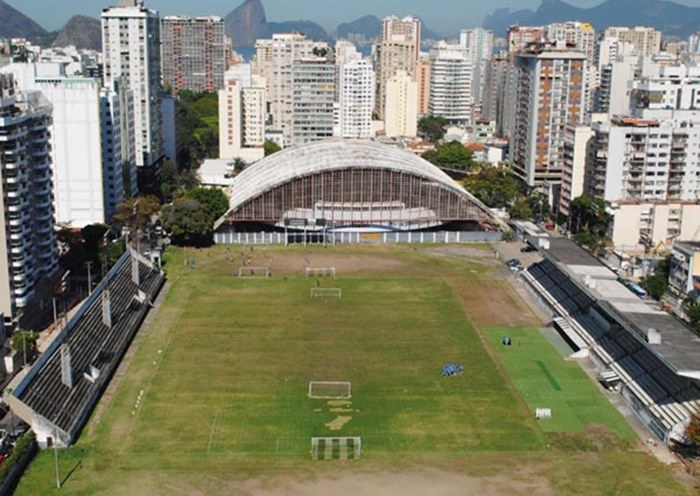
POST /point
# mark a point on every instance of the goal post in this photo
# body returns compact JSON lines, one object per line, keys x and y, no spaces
{"x":336,"y":448}
{"x":325,"y":390}
{"x":254,"y":272}
{"x":326,"y":293}
{"x":320,"y":272}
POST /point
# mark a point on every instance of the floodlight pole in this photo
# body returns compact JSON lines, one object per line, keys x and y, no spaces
{"x":89,"y":271}
{"x":55,"y":451}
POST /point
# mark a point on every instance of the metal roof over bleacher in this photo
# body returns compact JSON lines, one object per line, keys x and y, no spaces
{"x":680,"y":345}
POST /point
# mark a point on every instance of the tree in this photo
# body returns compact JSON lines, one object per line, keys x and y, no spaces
{"x":692,"y":310}
{"x":174,"y":179}
{"x":24,"y":342}
{"x":497,"y":188}
{"x":188,"y":222}
{"x":432,"y":128}
{"x":112,"y":252}
{"x":198,"y":127}
{"x":655,"y":285}
{"x":693,"y":430}
{"x":214,"y":200}
{"x":539,"y":205}
{"x":588,"y":214}
{"x":521,"y":210}
{"x":452,"y":155}
{"x":271,"y":148}
{"x":135,"y":213}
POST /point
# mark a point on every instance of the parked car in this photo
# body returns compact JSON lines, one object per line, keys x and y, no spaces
{"x":527,"y":249}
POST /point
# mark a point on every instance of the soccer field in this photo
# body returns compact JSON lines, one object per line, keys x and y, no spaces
{"x":216,"y":387}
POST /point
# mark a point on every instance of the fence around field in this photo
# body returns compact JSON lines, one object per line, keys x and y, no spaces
{"x":280,"y":238}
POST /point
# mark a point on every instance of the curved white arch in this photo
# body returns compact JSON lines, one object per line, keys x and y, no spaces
{"x":301,"y":161}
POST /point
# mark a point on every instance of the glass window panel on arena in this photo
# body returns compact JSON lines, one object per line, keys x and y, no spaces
{"x":361,"y":196}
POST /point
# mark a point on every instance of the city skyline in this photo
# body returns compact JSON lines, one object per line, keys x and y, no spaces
{"x":448,"y":17}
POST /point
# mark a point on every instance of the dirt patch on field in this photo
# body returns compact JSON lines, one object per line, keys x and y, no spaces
{"x":493,"y":303}
{"x":416,"y":483}
{"x":296,"y":263}
{"x":479,"y":253}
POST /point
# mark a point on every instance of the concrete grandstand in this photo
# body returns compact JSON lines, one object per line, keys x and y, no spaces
{"x":56,"y":396}
{"x":335,"y":186}
{"x":650,"y":357}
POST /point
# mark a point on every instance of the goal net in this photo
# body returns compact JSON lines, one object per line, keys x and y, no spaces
{"x":336,"y":448}
{"x":255,"y":272}
{"x":330,"y":390}
{"x":326,"y":293}
{"x":320,"y":272}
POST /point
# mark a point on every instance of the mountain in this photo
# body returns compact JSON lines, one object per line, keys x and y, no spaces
{"x":246,"y":23}
{"x":81,"y":32}
{"x":312,"y":30}
{"x":14,"y":24}
{"x":668,"y":17}
{"x":368,"y":26}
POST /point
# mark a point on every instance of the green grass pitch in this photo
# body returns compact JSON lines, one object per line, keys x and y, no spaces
{"x":223,"y":375}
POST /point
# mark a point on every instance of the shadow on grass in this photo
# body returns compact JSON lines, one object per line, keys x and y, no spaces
{"x":70,"y":473}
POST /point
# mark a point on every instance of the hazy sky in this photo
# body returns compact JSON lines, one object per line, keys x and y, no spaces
{"x":439,"y":15}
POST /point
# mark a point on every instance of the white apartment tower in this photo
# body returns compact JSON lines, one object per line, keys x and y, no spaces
{"x":576,"y":142}
{"x":647,"y":41}
{"x":356,"y":90}
{"x":399,"y":51}
{"x":131,"y":48}
{"x":90,"y":179}
{"x":451,"y":84}
{"x":242,"y":115}
{"x":28,"y":248}
{"x":478,"y":44}
{"x":401,"y":106}
{"x":644,"y":161}
{"x":313,"y":99}
{"x":578,"y":36}
{"x":274,"y":61}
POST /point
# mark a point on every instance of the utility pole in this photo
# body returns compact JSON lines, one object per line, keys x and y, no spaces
{"x":55,"y":452}
{"x":89,"y":271}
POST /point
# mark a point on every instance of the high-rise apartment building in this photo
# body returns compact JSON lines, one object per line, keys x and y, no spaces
{"x":478,"y":44}
{"x":313,"y":99}
{"x":550,"y":93}
{"x":28,"y":248}
{"x":495,"y":90}
{"x":576,"y":142}
{"x":88,"y":180}
{"x":131,"y":48}
{"x":668,"y":92}
{"x":274,"y":61}
{"x":401,"y":106}
{"x":242,"y":115}
{"x":399,"y":51}
{"x":357,"y":86}
{"x":423,"y":80}
{"x":644,"y":160}
{"x":646,"y":41}
{"x":521,"y":37}
{"x":194,"y":53}
{"x":578,"y":36}
{"x":451,"y":84}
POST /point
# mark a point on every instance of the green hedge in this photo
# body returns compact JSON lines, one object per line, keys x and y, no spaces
{"x":24,"y":444}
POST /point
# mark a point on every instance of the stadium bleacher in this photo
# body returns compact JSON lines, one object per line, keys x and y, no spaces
{"x":667,"y":397}
{"x":95,"y":349}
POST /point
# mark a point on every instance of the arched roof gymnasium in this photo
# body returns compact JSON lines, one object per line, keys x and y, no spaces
{"x":262,"y":192}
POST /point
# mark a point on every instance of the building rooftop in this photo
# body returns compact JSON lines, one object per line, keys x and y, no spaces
{"x":680,"y":346}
